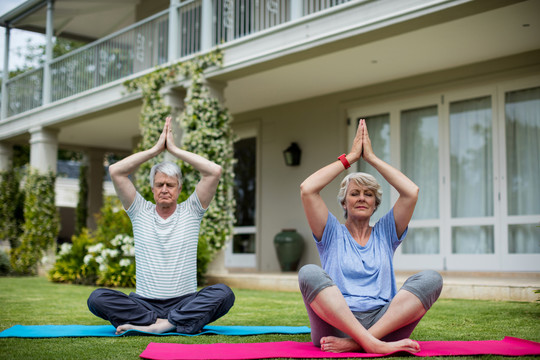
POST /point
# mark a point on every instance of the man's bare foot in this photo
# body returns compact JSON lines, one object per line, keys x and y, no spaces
{"x":159,"y":327}
{"x":338,"y":345}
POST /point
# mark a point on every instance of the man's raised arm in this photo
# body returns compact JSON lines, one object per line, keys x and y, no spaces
{"x":210,"y":171}
{"x":121,"y":170}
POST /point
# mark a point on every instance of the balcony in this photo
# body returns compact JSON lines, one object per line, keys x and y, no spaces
{"x":178,"y":33}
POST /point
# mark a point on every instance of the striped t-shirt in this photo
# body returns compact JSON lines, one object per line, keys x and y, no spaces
{"x":166,"y":249}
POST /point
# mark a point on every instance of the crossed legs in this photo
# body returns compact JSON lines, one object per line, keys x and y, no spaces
{"x":336,"y":328}
{"x":186,"y":314}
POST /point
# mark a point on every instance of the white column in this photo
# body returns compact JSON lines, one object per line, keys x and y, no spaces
{"x":206,"y":25}
{"x":296,"y":9}
{"x":174,"y":31}
{"x":95,"y":185}
{"x":6,"y":156}
{"x":47,"y":83}
{"x":217,"y":89}
{"x":5,"y":75}
{"x":43,"y":158}
{"x":43,"y":149}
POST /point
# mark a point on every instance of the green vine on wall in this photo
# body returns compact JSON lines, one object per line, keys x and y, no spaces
{"x":11,"y":199}
{"x":41,"y":222}
{"x":206,"y":131}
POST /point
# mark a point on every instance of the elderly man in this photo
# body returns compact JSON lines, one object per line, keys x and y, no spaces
{"x":166,"y":235}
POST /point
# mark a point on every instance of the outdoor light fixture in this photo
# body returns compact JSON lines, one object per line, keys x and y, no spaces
{"x":292,"y":155}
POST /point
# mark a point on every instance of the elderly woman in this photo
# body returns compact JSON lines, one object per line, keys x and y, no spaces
{"x":352,"y":301}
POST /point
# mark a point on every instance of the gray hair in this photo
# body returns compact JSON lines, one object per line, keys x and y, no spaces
{"x":168,"y":168}
{"x":362,"y":179}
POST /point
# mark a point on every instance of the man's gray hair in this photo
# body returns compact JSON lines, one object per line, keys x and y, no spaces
{"x":168,"y":168}
{"x":362,"y":179}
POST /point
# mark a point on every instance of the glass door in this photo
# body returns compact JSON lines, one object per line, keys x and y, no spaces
{"x":472,"y":185}
{"x":475,"y":155}
{"x":521,"y":200}
{"x":241,"y":251}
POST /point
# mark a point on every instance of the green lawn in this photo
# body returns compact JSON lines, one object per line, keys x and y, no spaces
{"x":34,"y":301}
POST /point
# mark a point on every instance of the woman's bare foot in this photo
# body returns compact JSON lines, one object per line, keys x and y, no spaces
{"x":338,"y":345}
{"x":159,"y":327}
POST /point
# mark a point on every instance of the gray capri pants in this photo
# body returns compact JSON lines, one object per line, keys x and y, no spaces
{"x":426,"y":285}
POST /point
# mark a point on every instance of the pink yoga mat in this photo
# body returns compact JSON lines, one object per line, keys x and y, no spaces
{"x":509,"y":346}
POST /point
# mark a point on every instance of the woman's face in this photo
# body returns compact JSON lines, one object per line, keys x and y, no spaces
{"x":359,"y":201}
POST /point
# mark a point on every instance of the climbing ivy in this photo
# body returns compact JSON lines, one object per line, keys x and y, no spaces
{"x":11,"y":200}
{"x":206,"y":131}
{"x":41,"y":222}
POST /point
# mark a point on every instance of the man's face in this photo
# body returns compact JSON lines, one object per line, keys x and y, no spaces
{"x":166,"y":190}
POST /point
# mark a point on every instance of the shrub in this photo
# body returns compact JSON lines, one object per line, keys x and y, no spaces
{"x":11,"y":207}
{"x":116,"y":264}
{"x":5,"y":266}
{"x":103,"y":257}
{"x":70,"y":266}
{"x":41,"y":222}
{"x":206,"y":131}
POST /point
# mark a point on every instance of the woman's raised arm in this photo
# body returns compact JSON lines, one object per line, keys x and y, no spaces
{"x":314,"y":206}
{"x":408,"y":190}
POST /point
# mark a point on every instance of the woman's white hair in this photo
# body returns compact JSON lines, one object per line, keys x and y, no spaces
{"x":168,"y":168}
{"x":362,"y":179}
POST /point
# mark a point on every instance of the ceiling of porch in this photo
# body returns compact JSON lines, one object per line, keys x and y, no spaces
{"x":473,"y":39}
{"x":76,"y":19}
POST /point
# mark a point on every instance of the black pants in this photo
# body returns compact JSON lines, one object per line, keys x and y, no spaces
{"x":189,"y":313}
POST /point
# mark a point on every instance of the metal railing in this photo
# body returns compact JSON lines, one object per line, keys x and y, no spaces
{"x":25,"y":92}
{"x":313,"y":6}
{"x":144,"y":45}
{"x":237,"y":18}
{"x":129,"y":51}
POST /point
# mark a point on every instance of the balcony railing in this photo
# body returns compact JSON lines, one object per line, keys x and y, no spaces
{"x":134,"y":49}
{"x":146,"y":44}
{"x":25,"y":92}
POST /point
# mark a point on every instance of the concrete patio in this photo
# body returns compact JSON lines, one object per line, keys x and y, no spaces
{"x":457,"y":285}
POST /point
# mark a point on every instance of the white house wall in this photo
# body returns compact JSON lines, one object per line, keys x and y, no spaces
{"x":319,"y":126}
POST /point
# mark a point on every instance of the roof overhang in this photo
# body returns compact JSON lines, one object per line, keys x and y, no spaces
{"x":74,"y":19}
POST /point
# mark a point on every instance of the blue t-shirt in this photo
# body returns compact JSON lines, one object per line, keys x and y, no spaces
{"x":363,"y":274}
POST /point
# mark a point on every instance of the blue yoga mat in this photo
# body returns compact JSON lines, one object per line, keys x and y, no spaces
{"x":53,"y":331}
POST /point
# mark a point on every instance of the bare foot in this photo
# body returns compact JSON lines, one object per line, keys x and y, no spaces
{"x":338,"y":345}
{"x":159,"y":327}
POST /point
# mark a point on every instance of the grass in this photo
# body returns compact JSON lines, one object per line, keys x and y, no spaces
{"x":34,"y":301}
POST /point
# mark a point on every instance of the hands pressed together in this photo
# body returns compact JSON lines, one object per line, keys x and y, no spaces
{"x":166,"y":139}
{"x":361,"y":147}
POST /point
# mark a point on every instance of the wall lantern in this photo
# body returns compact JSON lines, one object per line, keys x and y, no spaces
{"x":292,"y":155}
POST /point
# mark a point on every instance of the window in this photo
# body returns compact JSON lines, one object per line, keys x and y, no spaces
{"x":244,"y":194}
{"x":420,"y":162}
{"x":475,"y":155}
{"x":379,"y":133}
{"x":420,"y":157}
{"x":471,"y":159}
{"x":241,"y":252}
{"x":522,"y":125}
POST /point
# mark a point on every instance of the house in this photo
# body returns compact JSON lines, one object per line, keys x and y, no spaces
{"x":450,"y":90}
